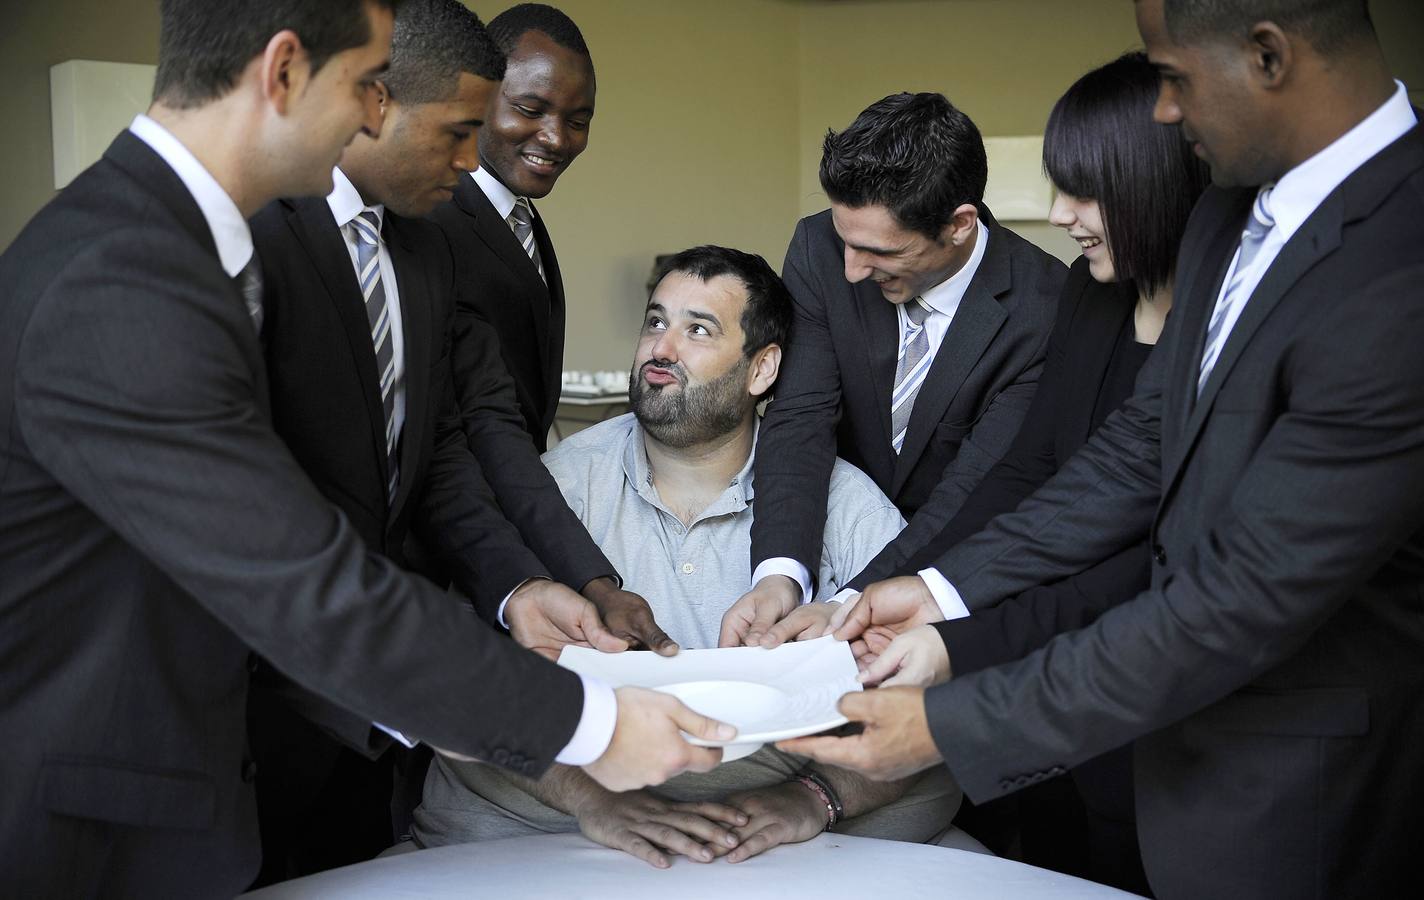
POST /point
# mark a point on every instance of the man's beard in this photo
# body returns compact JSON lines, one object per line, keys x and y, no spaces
{"x":693,"y":415}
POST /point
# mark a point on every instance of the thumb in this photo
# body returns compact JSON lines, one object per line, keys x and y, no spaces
{"x":886,"y":664}
{"x":853,"y":621}
{"x":646,"y":629}
{"x":858,"y":706}
{"x":597,"y":635}
{"x":698,"y":725}
{"x":734,"y":627}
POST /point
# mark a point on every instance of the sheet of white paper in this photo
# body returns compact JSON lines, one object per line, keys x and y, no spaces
{"x":768,"y":695}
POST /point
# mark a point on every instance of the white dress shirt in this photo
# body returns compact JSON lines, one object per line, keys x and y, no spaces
{"x":943,"y":299}
{"x":346,"y":204}
{"x":231,"y":235}
{"x":1293,"y":199}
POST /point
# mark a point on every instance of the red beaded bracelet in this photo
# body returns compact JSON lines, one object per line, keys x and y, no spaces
{"x":815,"y":788}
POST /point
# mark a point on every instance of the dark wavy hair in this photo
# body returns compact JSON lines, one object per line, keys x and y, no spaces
{"x":1101,"y":144}
{"x":915,"y":154}
{"x":766,"y":319}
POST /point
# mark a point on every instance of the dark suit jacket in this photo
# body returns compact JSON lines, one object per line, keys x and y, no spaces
{"x":833,"y":394}
{"x":496,"y":278}
{"x":1273,"y":673}
{"x":154,"y":530}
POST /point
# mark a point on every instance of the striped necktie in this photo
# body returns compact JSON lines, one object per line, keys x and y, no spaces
{"x":368,"y":273}
{"x":1235,"y":296}
{"x":910,"y":370}
{"x":521,"y":221}
{"x":249,"y":284}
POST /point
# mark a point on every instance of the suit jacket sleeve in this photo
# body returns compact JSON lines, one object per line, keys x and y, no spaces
{"x":1029,"y":462}
{"x":171,"y":448}
{"x":1327,"y":497}
{"x":796,"y":446}
{"x":494,"y":432}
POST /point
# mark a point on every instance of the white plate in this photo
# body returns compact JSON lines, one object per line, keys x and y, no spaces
{"x":767,"y":695}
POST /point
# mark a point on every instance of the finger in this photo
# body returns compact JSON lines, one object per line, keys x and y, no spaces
{"x":700,"y":726}
{"x":842,"y":610}
{"x":634,"y":845}
{"x":703,"y":759}
{"x":758,"y":842}
{"x":835,"y":751}
{"x":673,"y":840}
{"x":734,"y":626}
{"x":717,"y":812}
{"x":646,"y":631}
{"x":699,"y":827}
{"x":763,"y":620}
{"x":910,"y":675}
{"x":864,"y":656}
{"x":786,"y":630}
{"x":598,"y":636}
{"x":886,"y":664}
{"x":853,"y":621}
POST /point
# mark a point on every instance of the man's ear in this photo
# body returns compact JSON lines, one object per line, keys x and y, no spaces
{"x":960,"y":226}
{"x":1272,"y":54}
{"x":283,"y":70}
{"x":766,"y":365}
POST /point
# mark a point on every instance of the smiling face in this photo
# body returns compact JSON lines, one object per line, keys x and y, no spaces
{"x":539,"y":121}
{"x":691,"y":382}
{"x":424,"y":148}
{"x":902,"y":262}
{"x":1083,"y":220}
{"x":1207,"y":91}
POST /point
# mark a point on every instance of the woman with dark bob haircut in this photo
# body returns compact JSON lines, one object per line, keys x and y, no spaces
{"x":1126,"y":186}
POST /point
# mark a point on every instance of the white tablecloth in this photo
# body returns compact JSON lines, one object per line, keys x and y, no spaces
{"x":560,"y":867}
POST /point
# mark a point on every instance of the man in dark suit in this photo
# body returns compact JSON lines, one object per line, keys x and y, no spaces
{"x":919,"y":336}
{"x":506,"y":268}
{"x":359,"y":368}
{"x":154,"y":530}
{"x":1273,"y":675}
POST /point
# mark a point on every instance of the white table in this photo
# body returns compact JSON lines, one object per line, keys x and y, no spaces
{"x":568,"y":866}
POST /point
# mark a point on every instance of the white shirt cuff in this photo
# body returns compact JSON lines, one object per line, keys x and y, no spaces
{"x":499,"y":613}
{"x":595,"y":728}
{"x":843,"y":595}
{"x":402,"y":739}
{"x":785,"y":565}
{"x":950,"y":603}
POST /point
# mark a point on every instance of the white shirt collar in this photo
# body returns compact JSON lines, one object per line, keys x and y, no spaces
{"x":345,"y":201}
{"x":1301,"y":190}
{"x":945,"y":297}
{"x":231,"y":235}
{"x":500,"y":197}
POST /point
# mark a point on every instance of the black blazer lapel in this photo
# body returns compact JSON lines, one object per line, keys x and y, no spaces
{"x":1099,"y":319}
{"x":881,"y":325}
{"x":312,"y":222}
{"x":977,"y":320}
{"x":414,"y":289}
{"x":494,"y":231}
{"x":548,"y":308}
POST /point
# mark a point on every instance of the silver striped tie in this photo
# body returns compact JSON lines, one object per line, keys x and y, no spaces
{"x":521,"y":220}
{"x":910,"y":370}
{"x":1258,"y":226}
{"x":378,"y":316}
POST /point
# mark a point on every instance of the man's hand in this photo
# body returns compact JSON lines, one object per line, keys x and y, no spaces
{"x":647,"y":826}
{"x":806,"y":622}
{"x":781,"y":814}
{"x":628,"y":616}
{"x":647,"y":746}
{"x":917,"y":658}
{"x":771,"y":600}
{"x":893,"y":606}
{"x":896,"y":742}
{"x":545,"y":616}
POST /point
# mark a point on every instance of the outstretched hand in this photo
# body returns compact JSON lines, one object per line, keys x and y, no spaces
{"x":628,"y":616}
{"x":545,"y":617}
{"x":895,"y":743}
{"x":755,"y":612}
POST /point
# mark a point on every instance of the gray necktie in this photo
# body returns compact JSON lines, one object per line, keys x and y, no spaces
{"x":1258,"y":225}
{"x":910,"y":370}
{"x":521,"y":221}
{"x":249,"y":284}
{"x":378,"y":316}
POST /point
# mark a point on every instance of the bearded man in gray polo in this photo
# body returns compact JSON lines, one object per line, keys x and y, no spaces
{"x":666,"y":492}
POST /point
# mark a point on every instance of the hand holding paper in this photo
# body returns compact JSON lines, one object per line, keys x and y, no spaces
{"x":648,"y":745}
{"x":895,"y":743}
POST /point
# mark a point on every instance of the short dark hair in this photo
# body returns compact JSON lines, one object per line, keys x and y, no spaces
{"x":1102,"y":144}
{"x":766,"y":319}
{"x":1328,"y":25}
{"x":434,"y":42}
{"x":915,"y":154}
{"x":204,"y":46}
{"x":512,"y":24}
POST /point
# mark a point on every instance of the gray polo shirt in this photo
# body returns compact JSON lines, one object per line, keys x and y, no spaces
{"x":691,"y":574}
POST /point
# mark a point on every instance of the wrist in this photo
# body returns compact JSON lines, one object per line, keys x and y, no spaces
{"x":828,"y":805}
{"x":599,"y":588}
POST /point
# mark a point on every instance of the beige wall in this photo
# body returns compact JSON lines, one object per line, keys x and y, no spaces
{"x":710,"y":115}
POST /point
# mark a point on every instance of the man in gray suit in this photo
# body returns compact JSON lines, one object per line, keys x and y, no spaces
{"x":1273,"y":675}
{"x":155,"y":532}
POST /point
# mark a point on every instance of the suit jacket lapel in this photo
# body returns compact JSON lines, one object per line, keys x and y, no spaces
{"x":494,"y":231}
{"x":1100,"y":318}
{"x":414,"y":289}
{"x":977,"y":320}
{"x":548,"y":308}
{"x":881,"y":325}
{"x":315,"y":227}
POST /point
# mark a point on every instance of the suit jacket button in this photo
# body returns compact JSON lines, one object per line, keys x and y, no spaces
{"x":1159,"y":554}
{"x":500,"y":757}
{"x":1005,"y":784}
{"x":249,"y":770}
